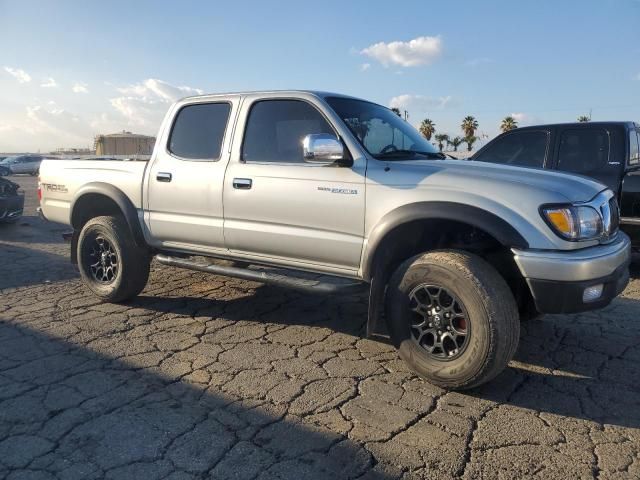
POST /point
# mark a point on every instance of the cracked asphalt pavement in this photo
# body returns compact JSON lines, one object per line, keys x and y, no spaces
{"x":211,"y":377}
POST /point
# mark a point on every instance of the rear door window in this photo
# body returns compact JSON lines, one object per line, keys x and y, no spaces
{"x":198,"y":131}
{"x":584,"y":150}
{"x":522,"y":149}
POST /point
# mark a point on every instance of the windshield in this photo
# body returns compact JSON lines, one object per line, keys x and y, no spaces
{"x":381,"y":132}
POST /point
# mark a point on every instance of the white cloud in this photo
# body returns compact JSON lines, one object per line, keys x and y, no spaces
{"x":144,"y":104}
{"x":80,"y":87}
{"x":420,"y":102}
{"x":48,"y":82}
{"x":416,"y":52}
{"x":638,"y":75}
{"x":525,"y":119}
{"x":44,"y":128}
{"x":18,"y":74}
{"x":364,"y":67}
{"x":153,"y":89}
{"x":47,"y":124}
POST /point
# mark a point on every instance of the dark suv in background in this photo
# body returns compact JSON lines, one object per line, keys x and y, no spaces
{"x":606,"y":151}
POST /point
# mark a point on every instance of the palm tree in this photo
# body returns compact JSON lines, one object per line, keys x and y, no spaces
{"x":470,"y":140}
{"x":455,"y":141}
{"x":396,"y":110}
{"x":441,"y":138}
{"x":508,"y":123}
{"x":584,"y":118}
{"x":469,"y":126}
{"x":427,"y":128}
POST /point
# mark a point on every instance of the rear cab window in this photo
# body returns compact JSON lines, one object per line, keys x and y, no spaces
{"x":198,"y":131}
{"x":522,"y":149}
{"x":584,"y":151}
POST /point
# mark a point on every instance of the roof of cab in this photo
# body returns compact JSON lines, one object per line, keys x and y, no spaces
{"x":628,"y":124}
{"x":316,"y":93}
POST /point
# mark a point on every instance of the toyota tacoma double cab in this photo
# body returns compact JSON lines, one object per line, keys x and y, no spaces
{"x":329,"y":193}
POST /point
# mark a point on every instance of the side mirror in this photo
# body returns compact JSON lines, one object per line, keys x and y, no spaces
{"x":322,"y":148}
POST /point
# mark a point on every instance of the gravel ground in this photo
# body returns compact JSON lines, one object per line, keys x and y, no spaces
{"x":210,"y":377}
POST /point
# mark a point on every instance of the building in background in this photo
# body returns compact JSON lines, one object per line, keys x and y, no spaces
{"x":124,"y":143}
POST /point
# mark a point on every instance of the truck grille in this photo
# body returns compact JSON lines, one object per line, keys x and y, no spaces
{"x":614,"y":224}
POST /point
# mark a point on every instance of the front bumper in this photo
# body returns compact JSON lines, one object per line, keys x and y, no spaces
{"x":558,"y":280}
{"x":11,"y":208}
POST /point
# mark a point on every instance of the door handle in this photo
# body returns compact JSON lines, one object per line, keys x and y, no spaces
{"x":163,"y":177}
{"x":242,"y":183}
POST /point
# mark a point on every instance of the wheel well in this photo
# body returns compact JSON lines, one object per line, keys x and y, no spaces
{"x":92,"y":205}
{"x":419,"y":236}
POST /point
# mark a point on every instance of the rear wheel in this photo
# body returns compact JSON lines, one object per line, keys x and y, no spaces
{"x":111,"y":264}
{"x":453,"y":318}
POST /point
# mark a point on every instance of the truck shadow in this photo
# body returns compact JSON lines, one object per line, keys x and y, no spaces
{"x":22,"y":266}
{"x":583,"y":366}
{"x":580,"y":366}
{"x":32,"y":229}
{"x":98,"y":414}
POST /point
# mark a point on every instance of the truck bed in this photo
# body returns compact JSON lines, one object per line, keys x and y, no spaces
{"x":61,"y":180}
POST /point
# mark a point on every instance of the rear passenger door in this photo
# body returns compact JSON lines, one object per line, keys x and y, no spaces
{"x":184,"y":182}
{"x":285,"y":210}
{"x":588,"y":151}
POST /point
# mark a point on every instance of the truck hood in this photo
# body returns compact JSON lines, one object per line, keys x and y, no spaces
{"x":487,"y":178}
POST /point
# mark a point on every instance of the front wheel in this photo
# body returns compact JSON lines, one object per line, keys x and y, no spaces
{"x":111,"y":264}
{"x":453,"y":318}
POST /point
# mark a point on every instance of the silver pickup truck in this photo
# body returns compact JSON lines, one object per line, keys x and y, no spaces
{"x":330,"y":193}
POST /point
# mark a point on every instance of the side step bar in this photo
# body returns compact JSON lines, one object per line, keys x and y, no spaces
{"x":314,"y":283}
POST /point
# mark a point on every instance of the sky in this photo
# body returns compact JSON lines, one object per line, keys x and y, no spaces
{"x":72,"y":69}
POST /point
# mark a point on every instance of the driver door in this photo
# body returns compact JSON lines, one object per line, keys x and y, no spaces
{"x":281,"y":208}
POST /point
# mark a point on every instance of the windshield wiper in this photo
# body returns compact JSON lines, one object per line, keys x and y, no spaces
{"x":398,"y":154}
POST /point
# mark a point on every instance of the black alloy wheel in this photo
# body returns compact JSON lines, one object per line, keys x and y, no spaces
{"x":440,"y":323}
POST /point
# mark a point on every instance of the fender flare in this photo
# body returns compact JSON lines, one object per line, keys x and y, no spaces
{"x":123,"y":202}
{"x":495,"y":226}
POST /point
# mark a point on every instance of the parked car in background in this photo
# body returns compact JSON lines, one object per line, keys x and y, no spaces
{"x":291,"y":182}
{"x":4,"y":170}
{"x":606,"y":151}
{"x":11,"y":201}
{"x":23,"y":164}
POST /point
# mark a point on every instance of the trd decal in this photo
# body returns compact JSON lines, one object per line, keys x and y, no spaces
{"x":52,"y":187}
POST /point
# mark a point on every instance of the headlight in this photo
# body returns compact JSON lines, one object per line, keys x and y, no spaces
{"x":574,"y":223}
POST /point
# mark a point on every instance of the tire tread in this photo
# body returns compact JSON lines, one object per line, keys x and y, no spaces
{"x":497,"y":299}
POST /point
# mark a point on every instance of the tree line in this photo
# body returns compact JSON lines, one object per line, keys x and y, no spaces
{"x":469,"y":127}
